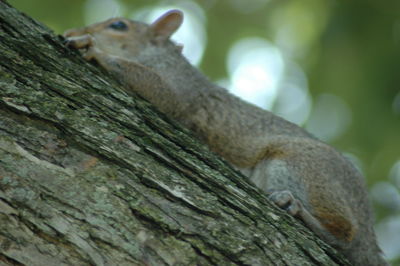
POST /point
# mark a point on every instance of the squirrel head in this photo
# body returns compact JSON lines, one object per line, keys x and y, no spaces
{"x":126,"y":38}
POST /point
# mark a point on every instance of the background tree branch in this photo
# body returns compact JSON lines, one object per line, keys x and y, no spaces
{"x":92,"y":176}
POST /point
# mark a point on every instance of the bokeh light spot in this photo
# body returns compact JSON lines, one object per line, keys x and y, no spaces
{"x":329,"y":118}
{"x":388,"y":232}
{"x":293,"y":101}
{"x":255,"y":67}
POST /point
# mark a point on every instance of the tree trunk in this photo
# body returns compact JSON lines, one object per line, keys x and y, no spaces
{"x":92,"y":176}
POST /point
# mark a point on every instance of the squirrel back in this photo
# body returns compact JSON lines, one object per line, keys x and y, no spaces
{"x":301,"y":174}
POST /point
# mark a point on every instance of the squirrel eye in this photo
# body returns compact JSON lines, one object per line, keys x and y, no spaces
{"x":118,"y":25}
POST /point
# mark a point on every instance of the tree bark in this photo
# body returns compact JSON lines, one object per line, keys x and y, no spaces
{"x":92,"y":176}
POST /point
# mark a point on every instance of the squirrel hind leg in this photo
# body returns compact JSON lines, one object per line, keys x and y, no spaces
{"x":285,"y":200}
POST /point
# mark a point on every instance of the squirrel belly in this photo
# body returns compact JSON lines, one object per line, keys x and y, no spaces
{"x":299,"y":173}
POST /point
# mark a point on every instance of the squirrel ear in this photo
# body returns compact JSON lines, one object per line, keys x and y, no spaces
{"x":167,"y":24}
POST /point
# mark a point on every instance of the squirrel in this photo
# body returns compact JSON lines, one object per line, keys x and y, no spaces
{"x":308,"y":178}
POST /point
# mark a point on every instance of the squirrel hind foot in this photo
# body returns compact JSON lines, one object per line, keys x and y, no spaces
{"x":285,"y":200}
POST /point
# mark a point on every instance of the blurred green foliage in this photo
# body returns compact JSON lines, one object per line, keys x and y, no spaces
{"x":350,"y":49}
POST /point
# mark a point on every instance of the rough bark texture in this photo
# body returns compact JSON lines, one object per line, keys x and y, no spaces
{"x":92,"y":176}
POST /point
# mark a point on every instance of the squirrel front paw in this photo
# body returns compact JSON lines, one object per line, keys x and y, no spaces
{"x":285,"y":200}
{"x":85,"y":44}
{"x":79,"y":42}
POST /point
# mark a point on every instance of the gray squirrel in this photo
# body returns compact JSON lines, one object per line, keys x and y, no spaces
{"x":299,"y":173}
